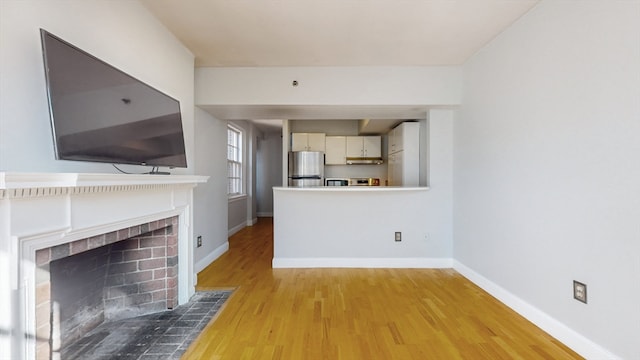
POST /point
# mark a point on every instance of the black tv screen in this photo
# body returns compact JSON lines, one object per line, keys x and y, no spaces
{"x":99,"y":113}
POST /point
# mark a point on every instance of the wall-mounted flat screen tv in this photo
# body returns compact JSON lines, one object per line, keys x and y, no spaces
{"x":99,"y":113}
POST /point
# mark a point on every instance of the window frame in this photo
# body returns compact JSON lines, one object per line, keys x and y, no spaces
{"x":237,"y":163}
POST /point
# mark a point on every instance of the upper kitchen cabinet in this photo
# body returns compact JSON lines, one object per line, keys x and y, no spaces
{"x":336,"y":150}
{"x":308,"y":142}
{"x":364,"y":146}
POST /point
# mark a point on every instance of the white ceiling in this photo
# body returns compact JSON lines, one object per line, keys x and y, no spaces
{"x":335,"y":32}
{"x":238,"y":33}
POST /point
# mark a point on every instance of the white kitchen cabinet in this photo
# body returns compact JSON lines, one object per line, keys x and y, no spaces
{"x":404,"y":155}
{"x":308,"y":142}
{"x":364,"y":146}
{"x":407,"y":132}
{"x":336,"y":150}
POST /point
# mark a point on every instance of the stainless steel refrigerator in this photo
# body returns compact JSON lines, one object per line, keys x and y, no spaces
{"x":306,"y":168}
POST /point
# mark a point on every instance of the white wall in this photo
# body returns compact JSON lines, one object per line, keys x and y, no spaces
{"x":121,"y":33}
{"x":210,"y":200}
{"x":437,"y":157}
{"x":344,"y":227}
{"x":436,"y":85}
{"x":546,"y":168}
{"x":268,"y":171}
{"x":242,"y":210}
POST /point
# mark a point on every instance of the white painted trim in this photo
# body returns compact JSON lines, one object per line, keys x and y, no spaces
{"x":264,"y":214}
{"x":251,"y":222}
{"x":211,"y":257}
{"x":418,"y":263}
{"x":555,"y":328}
{"x":236,"y":228}
{"x":17,"y":180}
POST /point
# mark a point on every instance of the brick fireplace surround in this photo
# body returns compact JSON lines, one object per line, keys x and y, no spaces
{"x":46,"y":220}
{"x":121,"y":274}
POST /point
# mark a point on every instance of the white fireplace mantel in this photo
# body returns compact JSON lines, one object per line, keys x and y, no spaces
{"x":14,"y":181}
{"x":41,"y":210}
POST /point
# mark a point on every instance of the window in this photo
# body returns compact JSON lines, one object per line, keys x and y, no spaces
{"x":234,"y":161}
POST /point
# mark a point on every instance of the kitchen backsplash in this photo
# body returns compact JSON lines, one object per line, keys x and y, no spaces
{"x":356,"y":171}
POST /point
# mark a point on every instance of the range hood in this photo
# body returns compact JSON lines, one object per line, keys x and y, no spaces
{"x":364,"y":161}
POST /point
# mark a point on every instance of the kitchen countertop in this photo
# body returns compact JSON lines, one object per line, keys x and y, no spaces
{"x":353,"y":188}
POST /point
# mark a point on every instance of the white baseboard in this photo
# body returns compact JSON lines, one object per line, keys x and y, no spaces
{"x":252,"y":222}
{"x":417,"y":263}
{"x":553,"y":327}
{"x":211,"y":257}
{"x":264,"y":214}
{"x":236,"y":228}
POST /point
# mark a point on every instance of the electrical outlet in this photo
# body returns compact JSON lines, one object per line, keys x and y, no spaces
{"x":580,"y":291}
{"x":398,"y":236}
{"x":199,"y":241}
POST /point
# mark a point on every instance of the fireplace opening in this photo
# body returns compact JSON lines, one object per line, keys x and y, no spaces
{"x":118,"y":275}
{"x":77,"y":293}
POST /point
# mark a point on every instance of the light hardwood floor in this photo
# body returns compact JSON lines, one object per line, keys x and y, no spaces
{"x":356,"y":313}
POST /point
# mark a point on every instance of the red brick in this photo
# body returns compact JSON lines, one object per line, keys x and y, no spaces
{"x":43,"y":314}
{"x":159,"y":295}
{"x":59,"y":251}
{"x":172,"y":261}
{"x":43,"y":256}
{"x":159,"y":232}
{"x":159,"y":252}
{"x":138,"y":277}
{"x":151,"y":264}
{"x":96,"y":241}
{"x":159,"y":273}
{"x":43,"y":351}
{"x":172,"y":251}
{"x":154,"y":241}
{"x":144,"y":228}
{"x":43,"y":332}
{"x":172,"y":240}
{"x":172,"y":300}
{"x":134,"y":231}
{"x":123,"y":234}
{"x":79,"y":246}
{"x":43,"y":293}
{"x":152,"y":285}
{"x":171,"y":293}
{"x":111,"y":237}
{"x":158,"y":224}
{"x":138,"y":254}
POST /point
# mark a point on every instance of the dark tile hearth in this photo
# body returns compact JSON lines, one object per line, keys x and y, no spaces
{"x":163,"y":335}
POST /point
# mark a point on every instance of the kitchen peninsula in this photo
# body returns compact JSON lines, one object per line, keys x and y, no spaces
{"x":358,"y":227}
